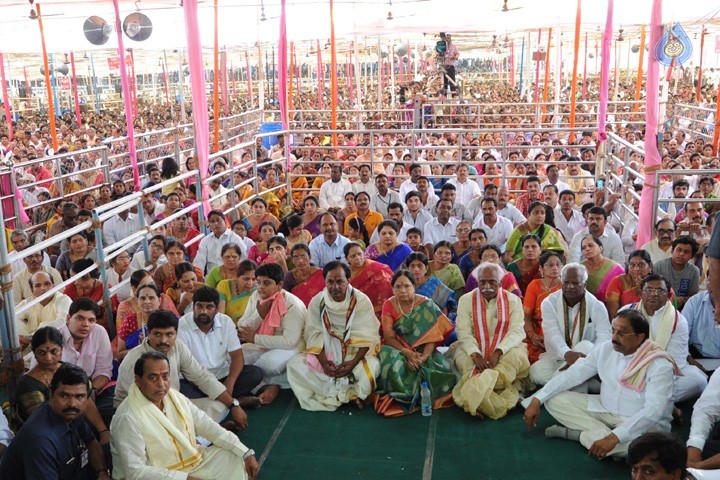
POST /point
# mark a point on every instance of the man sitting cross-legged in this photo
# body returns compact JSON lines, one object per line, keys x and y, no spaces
{"x":212,"y":339}
{"x":272,"y":331}
{"x":342,"y":336}
{"x":573,"y":322}
{"x":635,"y":391}
{"x":491,"y":355}
{"x":162,"y":326}
{"x":155,"y":427}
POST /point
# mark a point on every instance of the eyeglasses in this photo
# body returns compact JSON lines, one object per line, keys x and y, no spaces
{"x":668,"y":230}
{"x":654,"y":291}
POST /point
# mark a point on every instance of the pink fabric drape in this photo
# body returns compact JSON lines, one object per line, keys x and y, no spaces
{"x":652,"y":155}
{"x":199,"y":98}
{"x":320,"y":76}
{"x":283,"y":67}
{"x":75,"y":89}
{"x":127,"y":99}
{"x":6,"y":99}
{"x":605,"y":73}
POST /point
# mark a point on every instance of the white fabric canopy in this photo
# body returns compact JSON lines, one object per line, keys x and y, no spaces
{"x":240,"y":23}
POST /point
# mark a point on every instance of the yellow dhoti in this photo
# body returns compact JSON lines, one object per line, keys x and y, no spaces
{"x":495,"y":391}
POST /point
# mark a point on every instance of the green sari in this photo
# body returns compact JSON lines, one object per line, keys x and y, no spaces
{"x":549,"y":240}
{"x":398,"y":385}
{"x":235,"y":302}
{"x":452,"y":277}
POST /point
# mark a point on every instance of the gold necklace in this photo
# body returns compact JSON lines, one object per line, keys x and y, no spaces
{"x":403,"y":312}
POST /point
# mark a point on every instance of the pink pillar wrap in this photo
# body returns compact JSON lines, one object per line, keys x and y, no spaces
{"x":199,"y":98}
{"x":283,"y":67}
{"x":605,"y":73}
{"x":127,"y":99}
{"x":652,"y":155}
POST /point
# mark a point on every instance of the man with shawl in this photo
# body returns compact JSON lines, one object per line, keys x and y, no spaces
{"x":342,"y":336}
{"x":491,"y":355}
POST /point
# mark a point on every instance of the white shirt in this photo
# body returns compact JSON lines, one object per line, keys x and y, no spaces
{"x":612,"y":246}
{"x":513,"y":214}
{"x":569,"y":227}
{"x":6,"y":435}
{"x":212,"y":350}
{"x":368,"y":187}
{"x":138,"y":261}
{"x":640,"y":412}
{"x":18,"y":264}
{"x":113,"y":279}
{"x":434,"y":231}
{"x":465,"y":191}
{"x":208,"y":255}
{"x":560,"y":185}
{"x":705,"y":413}
{"x":421,"y":222}
{"x":656,"y":253}
{"x":380,"y":203}
{"x":597,"y":324}
{"x":678,"y":345}
{"x":218,"y":202}
{"x":432,"y":200}
{"x":499,"y":233}
{"x":288,"y":335}
{"x":406,"y":187}
{"x":332,"y":195}
{"x":116,"y":229}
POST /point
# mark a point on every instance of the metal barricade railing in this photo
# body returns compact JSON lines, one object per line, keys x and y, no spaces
{"x":695,"y":120}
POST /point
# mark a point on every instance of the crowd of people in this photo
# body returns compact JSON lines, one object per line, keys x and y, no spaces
{"x":353,"y":275}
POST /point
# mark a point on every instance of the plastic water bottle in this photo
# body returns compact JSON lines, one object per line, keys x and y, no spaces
{"x":425,"y":400}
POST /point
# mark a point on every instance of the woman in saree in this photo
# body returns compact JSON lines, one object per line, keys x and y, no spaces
{"x":181,"y":292}
{"x":535,"y":224}
{"x":370,"y":277}
{"x":258,"y":253}
{"x":388,"y":250}
{"x":88,"y":201}
{"x":78,"y":247}
{"x":131,"y":305}
{"x":275,"y":198}
{"x":431,"y":287}
{"x":441,"y":268}
{"x":462,"y":246}
{"x":132,"y":331}
{"x":357,"y":232}
{"x":310,"y":215}
{"x":349,"y":209}
{"x":230,"y":255}
{"x":293,"y":227}
{"x":601,"y":270}
{"x":491,"y":253}
{"x":299,"y":186}
{"x":88,"y":175}
{"x":164,"y":275}
{"x":305,"y":280}
{"x":413,"y":327}
{"x":527,"y":268}
{"x":235,"y":292}
{"x":625,"y":289}
{"x":259,"y":216}
{"x":550,"y":267}
{"x":33,"y":388}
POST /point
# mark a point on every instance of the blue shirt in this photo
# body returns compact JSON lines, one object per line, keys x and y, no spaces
{"x":48,"y":448}
{"x":704,"y":334}
{"x":321,"y":253}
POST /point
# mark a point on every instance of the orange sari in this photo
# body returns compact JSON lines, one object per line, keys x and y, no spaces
{"x":374,"y":281}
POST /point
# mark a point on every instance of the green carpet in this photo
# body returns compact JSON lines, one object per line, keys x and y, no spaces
{"x":352,"y":444}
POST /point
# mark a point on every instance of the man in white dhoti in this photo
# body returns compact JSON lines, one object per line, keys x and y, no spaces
{"x":669,"y":330}
{"x":573,"y":322}
{"x":342,"y":336}
{"x":154,"y":433}
{"x":272,"y":331}
{"x":635,"y":392}
{"x":491,"y":355}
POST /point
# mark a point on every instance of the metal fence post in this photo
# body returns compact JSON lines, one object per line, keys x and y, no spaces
{"x":105,"y":162}
{"x":8,"y":335}
{"x":202,"y":220}
{"x":102,"y":266}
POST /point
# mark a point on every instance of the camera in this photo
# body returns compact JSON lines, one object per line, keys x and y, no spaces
{"x":441,"y":45}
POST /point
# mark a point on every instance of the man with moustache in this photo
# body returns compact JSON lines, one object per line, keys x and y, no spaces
{"x":210,"y":336}
{"x":341,"y":336}
{"x":491,"y":357}
{"x":635,"y":392}
{"x":49,"y":312}
{"x":660,"y":247}
{"x":154,"y":433}
{"x":162,"y":326}
{"x":56,"y":442}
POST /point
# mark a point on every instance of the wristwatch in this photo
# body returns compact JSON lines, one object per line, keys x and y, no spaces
{"x":234,"y":403}
{"x":249,"y":453}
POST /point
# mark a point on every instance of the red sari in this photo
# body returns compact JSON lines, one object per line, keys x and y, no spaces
{"x":308,"y":288}
{"x":374,"y":281}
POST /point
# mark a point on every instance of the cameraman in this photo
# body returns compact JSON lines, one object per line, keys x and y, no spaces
{"x":449,"y":59}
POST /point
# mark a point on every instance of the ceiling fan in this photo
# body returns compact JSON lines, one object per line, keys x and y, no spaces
{"x":33,"y":15}
{"x":505,"y":7}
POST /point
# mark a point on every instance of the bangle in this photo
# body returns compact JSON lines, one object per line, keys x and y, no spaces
{"x":248,"y":454}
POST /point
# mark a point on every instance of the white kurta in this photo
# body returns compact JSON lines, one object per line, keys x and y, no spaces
{"x":315,"y":390}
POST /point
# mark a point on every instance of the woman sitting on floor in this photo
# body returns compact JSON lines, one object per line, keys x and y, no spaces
{"x":370,"y":277}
